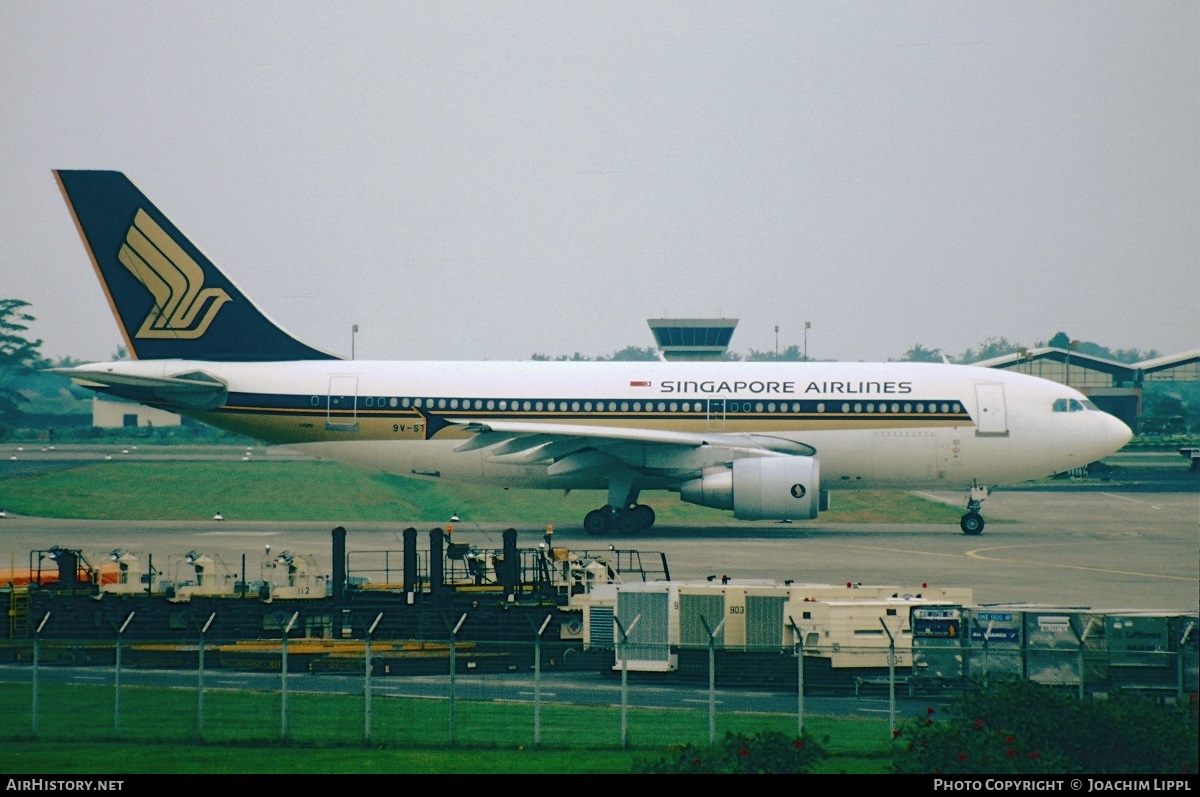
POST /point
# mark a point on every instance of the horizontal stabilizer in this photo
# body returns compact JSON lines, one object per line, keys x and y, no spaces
{"x":195,"y":391}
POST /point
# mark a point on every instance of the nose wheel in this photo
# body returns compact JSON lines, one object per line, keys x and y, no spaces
{"x":972,"y":522}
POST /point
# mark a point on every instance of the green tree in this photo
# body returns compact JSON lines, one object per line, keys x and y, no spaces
{"x":919,"y":354}
{"x":1165,"y":413}
{"x":992,"y":347}
{"x":791,"y":354}
{"x":635,"y":354}
{"x":19,"y":356}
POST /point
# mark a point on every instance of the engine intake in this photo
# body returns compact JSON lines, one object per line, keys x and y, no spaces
{"x":760,"y":488}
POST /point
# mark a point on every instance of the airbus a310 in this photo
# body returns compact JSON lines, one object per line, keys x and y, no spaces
{"x":766,"y":440}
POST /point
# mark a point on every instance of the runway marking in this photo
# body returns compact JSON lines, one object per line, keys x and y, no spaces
{"x":977,"y":554}
{"x":1134,"y":500}
{"x":901,"y":550}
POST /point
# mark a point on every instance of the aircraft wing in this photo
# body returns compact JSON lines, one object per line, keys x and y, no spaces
{"x":574,"y":447}
{"x":194,"y":391}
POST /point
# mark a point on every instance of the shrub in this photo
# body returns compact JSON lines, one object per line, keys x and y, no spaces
{"x":1022,"y":727}
{"x":767,"y":753}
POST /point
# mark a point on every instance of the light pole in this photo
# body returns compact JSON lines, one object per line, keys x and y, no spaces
{"x":353,"y":332}
{"x":807,"y":324}
{"x":777,"y":341}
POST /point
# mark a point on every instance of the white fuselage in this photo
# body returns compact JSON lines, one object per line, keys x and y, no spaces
{"x":872,"y":425}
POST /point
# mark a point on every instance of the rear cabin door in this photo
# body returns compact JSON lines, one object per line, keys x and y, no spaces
{"x":341,"y":414}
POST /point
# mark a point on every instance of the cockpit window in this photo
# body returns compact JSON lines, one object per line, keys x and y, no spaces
{"x":1090,"y":406}
{"x":1070,"y":405}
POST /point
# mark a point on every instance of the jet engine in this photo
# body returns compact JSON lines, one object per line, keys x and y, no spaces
{"x":760,"y":488}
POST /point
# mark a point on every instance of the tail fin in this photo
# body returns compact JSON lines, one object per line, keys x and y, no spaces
{"x":170,"y":301}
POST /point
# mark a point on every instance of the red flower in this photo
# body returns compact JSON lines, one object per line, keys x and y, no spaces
{"x":1010,"y":739}
{"x":929,"y":709}
{"x":799,"y":745}
{"x":744,"y":753}
{"x":895,"y":734}
{"x":978,"y":724}
{"x":695,"y":762}
{"x":1033,"y":754}
{"x":929,"y":721}
{"x":962,"y":756}
{"x":1012,"y":753}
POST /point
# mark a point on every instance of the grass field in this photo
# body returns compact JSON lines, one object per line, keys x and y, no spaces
{"x":338,"y":493}
{"x":242,"y":735}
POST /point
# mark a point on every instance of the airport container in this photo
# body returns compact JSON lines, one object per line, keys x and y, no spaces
{"x":1065,"y":647}
{"x":938,"y":657}
{"x":1153,"y":651}
{"x":995,"y":641}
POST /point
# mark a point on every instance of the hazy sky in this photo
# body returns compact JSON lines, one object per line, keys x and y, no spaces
{"x":487,"y":180}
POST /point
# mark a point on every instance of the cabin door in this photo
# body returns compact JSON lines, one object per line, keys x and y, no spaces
{"x":341,"y":414}
{"x":716,"y":415}
{"x":992,"y":419}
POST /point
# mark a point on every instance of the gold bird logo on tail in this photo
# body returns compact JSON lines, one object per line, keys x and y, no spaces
{"x":183,"y":307}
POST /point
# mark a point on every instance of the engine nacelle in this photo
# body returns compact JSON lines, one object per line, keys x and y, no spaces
{"x":760,"y":488}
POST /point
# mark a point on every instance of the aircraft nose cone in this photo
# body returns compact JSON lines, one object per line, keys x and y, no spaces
{"x":1118,"y":433}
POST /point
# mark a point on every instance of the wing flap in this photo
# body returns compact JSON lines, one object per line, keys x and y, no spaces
{"x":502,"y":431}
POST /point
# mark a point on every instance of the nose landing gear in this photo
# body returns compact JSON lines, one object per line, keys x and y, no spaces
{"x":972,"y":522}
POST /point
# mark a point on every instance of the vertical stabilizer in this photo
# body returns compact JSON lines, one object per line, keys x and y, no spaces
{"x":170,"y":301}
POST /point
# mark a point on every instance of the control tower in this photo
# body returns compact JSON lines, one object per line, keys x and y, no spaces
{"x":692,"y":339}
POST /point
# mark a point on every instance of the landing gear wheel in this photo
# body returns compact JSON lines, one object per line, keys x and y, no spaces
{"x":644,"y":515}
{"x":972,"y":523}
{"x":627,"y":522}
{"x":597,"y":522}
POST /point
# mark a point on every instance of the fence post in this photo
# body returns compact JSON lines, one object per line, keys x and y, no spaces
{"x":453,"y":668}
{"x":283,"y":675}
{"x":117,"y":679}
{"x":1083,"y":658}
{"x":624,"y":676}
{"x":367,"y":681}
{"x":891,"y":679}
{"x":537,"y":682}
{"x":200,"y":679}
{"x":37,"y":635}
{"x":712,"y":677}
{"x":799,"y":677}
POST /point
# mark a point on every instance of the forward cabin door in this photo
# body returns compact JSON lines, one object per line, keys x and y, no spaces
{"x":992,"y":418}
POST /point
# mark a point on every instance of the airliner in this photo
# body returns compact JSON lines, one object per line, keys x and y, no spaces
{"x":765,"y":440}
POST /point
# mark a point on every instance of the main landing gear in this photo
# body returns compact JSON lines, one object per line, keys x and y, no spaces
{"x":622,"y":513}
{"x":972,"y":522}
{"x":631,"y":520}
